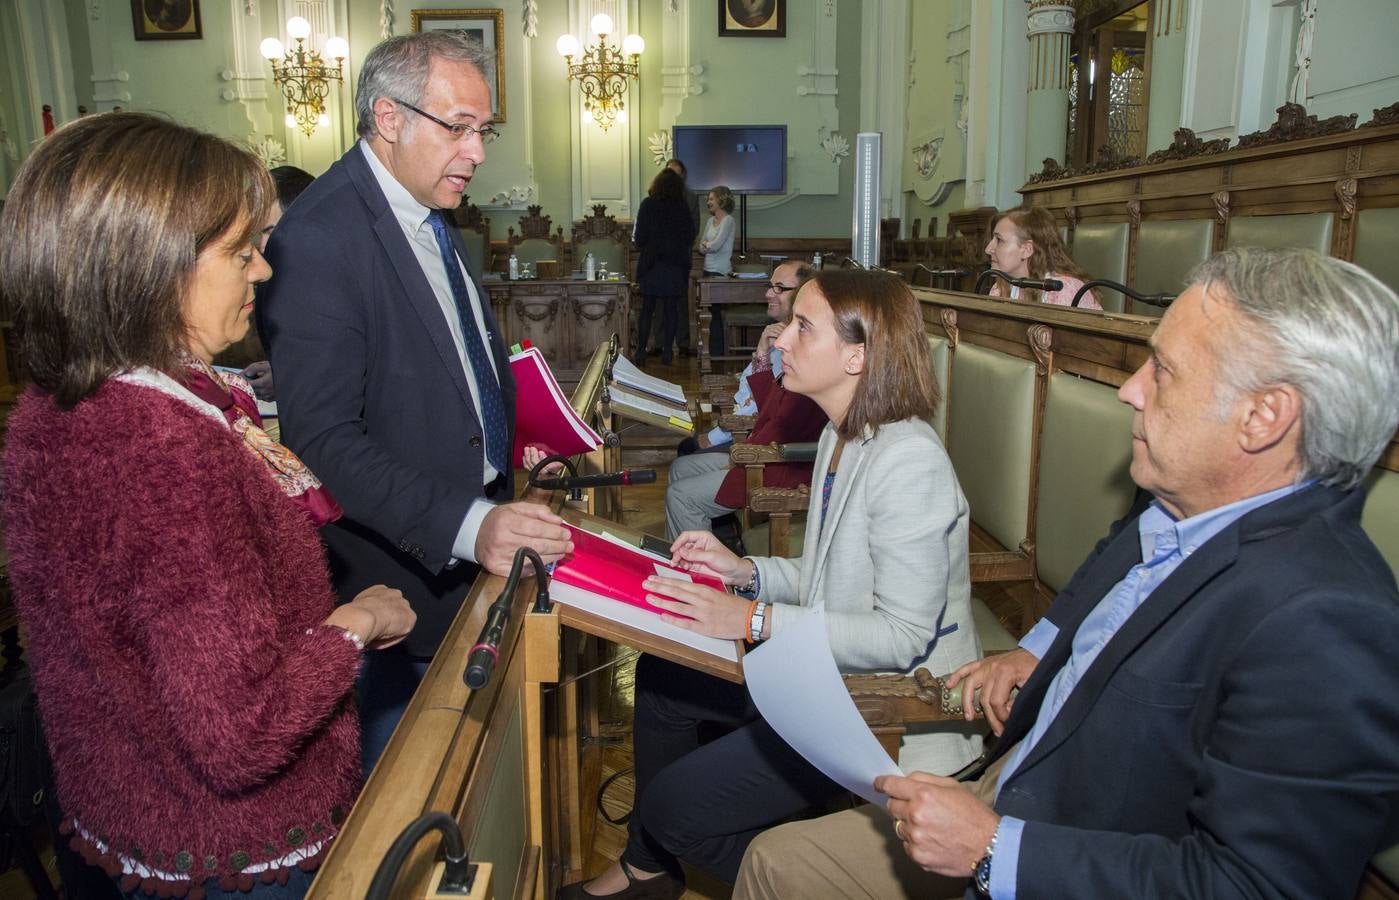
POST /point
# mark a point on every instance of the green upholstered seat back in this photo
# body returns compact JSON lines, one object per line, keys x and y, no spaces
{"x":1381,"y":516}
{"x":606,"y":252}
{"x":1376,"y":243}
{"x":993,"y":635}
{"x":1166,"y":252}
{"x":989,"y":430}
{"x":477,"y":249}
{"x":1311,"y":230}
{"x":1101,"y":251}
{"x":939,"y":358}
{"x":532,"y":250}
{"x":1084,"y":483}
{"x":757,"y":541}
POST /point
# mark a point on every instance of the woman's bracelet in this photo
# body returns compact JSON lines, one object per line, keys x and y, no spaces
{"x":751,"y":588}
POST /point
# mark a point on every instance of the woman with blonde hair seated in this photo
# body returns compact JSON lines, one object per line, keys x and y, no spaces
{"x":886,"y":556}
{"x":195,"y":677}
{"x":1025,"y":244}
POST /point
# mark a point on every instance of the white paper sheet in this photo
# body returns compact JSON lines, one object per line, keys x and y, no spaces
{"x":642,"y":619}
{"x":645,"y":404}
{"x":625,"y":373}
{"x":794,"y":681}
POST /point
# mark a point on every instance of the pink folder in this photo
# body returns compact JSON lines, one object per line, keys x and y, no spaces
{"x":614,"y":570}
{"x":543,"y":415}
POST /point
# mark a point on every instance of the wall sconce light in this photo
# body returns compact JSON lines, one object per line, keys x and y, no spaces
{"x":304,"y":75}
{"x":604,"y":72}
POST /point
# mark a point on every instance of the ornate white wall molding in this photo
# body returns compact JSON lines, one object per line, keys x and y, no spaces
{"x":926,"y":157}
{"x":1306,"y":31}
{"x":530,"y":18}
{"x":385,"y":19}
{"x":836,"y":146}
{"x":268,"y":149}
{"x":1049,"y":17}
{"x":884,"y":38}
{"x":109,"y":88}
{"x":659,"y":144}
{"x":680,"y":79}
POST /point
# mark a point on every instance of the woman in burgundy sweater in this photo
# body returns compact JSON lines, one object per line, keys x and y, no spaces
{"x":194,"y":676}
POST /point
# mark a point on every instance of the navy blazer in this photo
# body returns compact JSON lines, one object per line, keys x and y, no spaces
{"x":372,"y":394}
{"x":1238,"y":737}
{"x":665,"y":235}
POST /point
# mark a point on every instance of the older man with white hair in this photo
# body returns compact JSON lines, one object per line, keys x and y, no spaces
{"x":1211,"y":706}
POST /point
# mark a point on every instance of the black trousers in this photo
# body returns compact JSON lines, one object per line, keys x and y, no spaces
{"x":705,"y":804}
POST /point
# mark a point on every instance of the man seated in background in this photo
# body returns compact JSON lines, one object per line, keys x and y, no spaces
{"x":702,"y":486}
{"x":1210,"y":708}
{"x":780,"y":294}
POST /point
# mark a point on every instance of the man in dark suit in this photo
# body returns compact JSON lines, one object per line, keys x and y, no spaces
{"x":1210,"y":708}
{"x":393,"y":381}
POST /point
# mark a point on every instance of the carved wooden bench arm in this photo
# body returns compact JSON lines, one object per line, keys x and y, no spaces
{"x":897,"y":700}
{"x":712,"y":383}
{"x":742,"y":454}
{"x":731,"y":422}
{"x":772,"y":500}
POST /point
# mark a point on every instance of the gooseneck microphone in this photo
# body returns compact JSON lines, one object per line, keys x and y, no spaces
{"x":480,"y":662}
{"x":1030,"y":284}
{"x":601,"y":479}
{"x":575,"y":482}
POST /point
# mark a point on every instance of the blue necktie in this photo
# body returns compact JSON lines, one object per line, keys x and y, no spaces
{"x":487,"y":385}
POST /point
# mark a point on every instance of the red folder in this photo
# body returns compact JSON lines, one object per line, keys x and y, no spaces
{"x":543,"y":415}
{"x":615,"y":570}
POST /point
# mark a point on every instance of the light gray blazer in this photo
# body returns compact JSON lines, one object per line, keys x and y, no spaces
{"x":891,"y":568}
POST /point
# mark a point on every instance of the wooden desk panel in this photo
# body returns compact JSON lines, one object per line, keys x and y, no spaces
{"x":564,"y":318}
{"x":712,"y":292}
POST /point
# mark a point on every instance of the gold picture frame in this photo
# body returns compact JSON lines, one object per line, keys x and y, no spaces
{"x":166,"y":20}
{"x":486,"y":24}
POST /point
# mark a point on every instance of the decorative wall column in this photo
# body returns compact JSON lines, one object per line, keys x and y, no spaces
{"x":1050,"y":27}
{"x":1167,"y":73}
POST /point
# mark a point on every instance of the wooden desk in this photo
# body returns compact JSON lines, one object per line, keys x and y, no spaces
{"x":564,"y":318}
{"x":712,"y":292}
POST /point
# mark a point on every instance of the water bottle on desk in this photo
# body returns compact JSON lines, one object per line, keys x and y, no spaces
{"x":816,"y":260}
{"x":590,"y":266}
{"x":514,"y":267}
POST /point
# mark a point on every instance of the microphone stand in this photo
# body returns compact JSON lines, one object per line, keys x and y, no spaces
{"x":459,"y":874}
{"x":549,"y":484}
{"x":1160,"y":300}
{"x":940,"y":273}
{"x":482,"y":659}
{"x":1025,"y":284}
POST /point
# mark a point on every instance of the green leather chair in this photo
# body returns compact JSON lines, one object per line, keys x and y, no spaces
{"x":1310,"y":230}
{"x":940,"y":360}
{"x":1166,"y":252}
{"x":1084,"y":483}
{"x":1376,"y":240}
{"x":1101,"y":251}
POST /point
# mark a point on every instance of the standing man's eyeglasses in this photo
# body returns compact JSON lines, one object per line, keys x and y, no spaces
{"x":780,"y":287}
{"x":459,"y":130}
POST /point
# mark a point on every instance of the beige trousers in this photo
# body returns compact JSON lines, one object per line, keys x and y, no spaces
{"x":852,"y":855}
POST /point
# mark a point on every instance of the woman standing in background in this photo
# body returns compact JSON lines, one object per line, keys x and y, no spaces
{"x":664,"y":234}
{"x":717,"y":245}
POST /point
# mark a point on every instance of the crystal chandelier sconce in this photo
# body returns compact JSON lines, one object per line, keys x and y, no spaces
{"x":604,"y":72}
{"x":304,"y":75}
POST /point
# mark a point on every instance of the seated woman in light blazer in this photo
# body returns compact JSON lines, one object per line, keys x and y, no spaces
{"x":886,"y":542}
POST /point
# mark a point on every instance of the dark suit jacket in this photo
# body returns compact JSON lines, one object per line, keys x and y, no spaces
{"x":1238,"y":737}
{"x":373,"y":396}
{"x":783,"y":418}
{"x":664,"y":235}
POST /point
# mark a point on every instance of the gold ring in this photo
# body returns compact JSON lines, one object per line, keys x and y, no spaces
{"x":899,"y":828}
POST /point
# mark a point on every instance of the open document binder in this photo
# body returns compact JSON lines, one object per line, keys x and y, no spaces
{"x":543,"y":415}
{"x":598,"y":588}
{"x":647,"y":399}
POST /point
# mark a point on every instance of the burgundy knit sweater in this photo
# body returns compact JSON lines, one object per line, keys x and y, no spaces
{"x":200,"y":717}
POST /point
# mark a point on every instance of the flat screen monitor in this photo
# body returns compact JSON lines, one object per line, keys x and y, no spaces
{"x":748,"y":159}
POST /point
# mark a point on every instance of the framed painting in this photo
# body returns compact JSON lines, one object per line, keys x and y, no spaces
{"x":486,"y":26}
{"x":752,"y":18}
{"x":166,"y":20}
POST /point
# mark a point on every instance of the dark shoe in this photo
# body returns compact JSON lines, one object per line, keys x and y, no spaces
{"x":666,"y":359}
{"x":654,"y":351}
{"x":663,"y":887}
{"x":687,"y":446}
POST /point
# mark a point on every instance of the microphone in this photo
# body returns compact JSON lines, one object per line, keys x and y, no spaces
{"x":602,"y":479}
{"x":480,"y":662}
{"x":943,"y":273}
{"x":1038,"y":284}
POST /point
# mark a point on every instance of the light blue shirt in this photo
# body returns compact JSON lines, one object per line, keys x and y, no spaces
{"x":1165,"y":544}
{"x":744,"y":404}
